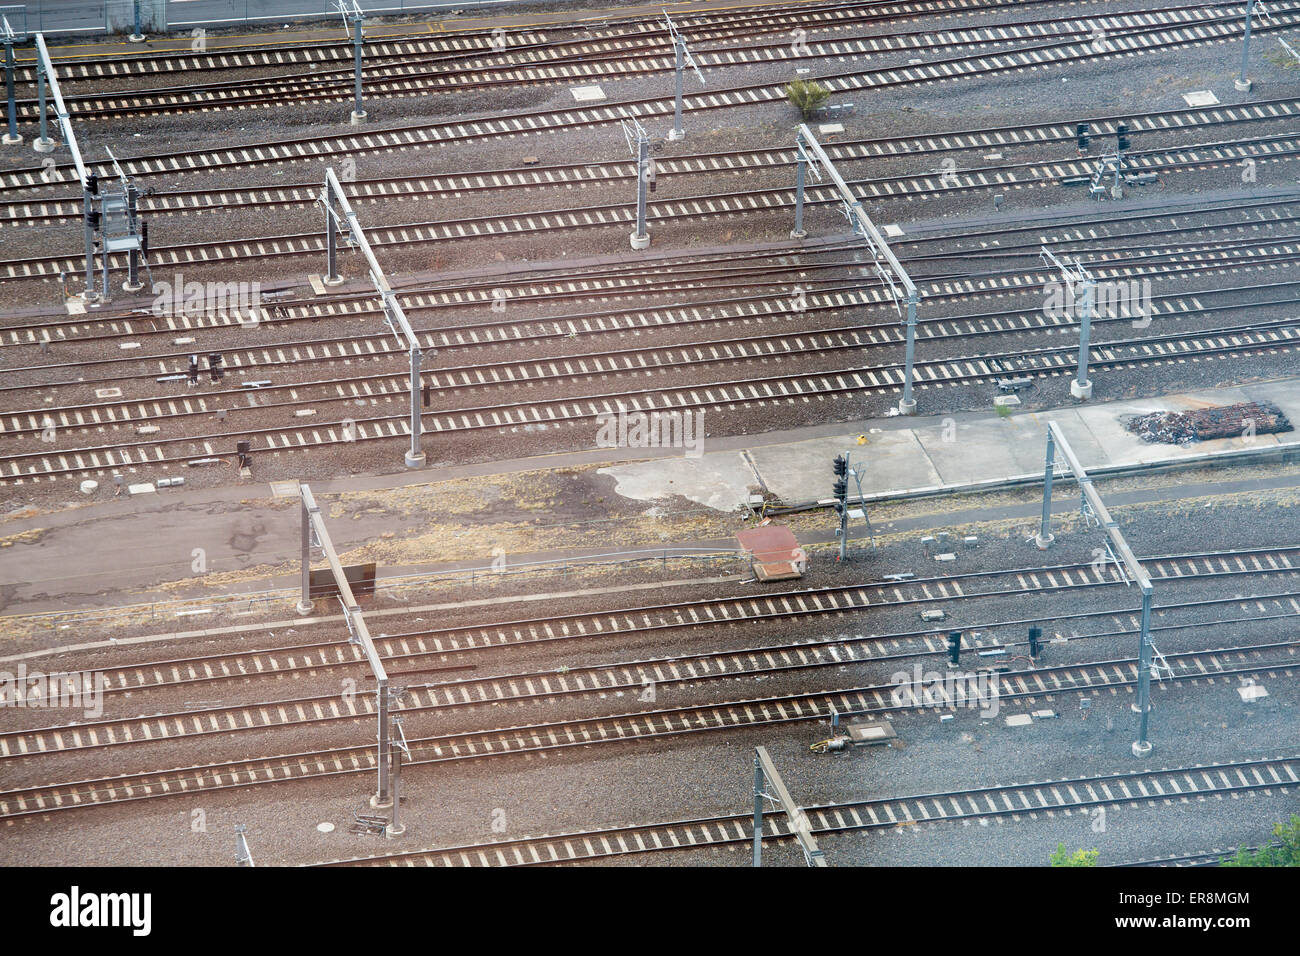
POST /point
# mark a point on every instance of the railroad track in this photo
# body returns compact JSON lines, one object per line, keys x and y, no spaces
{"x":1275,"y":337}
{"x":640,"y":679}
{"x":557,"y":736}
{"x":1206,"y":858}
{"x":417,"y":136}
{"x":743,"y":311}
{"x":1168,"y":786}
{"x":620,"y":215}
{"x":1026,"y":175}
{"x":110,"y":415}
{"x":453,"y":48}
{"x":608,"y":281}
{"x":1040,"y":41}
{"x":307,"y":659}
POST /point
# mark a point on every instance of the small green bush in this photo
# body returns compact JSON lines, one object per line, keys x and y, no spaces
{"x":807,"y":96}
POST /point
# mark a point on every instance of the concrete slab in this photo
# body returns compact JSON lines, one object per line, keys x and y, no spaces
{"x":718,"y":480}
{"x":958,"y":450}
{"x":953,"y":450}
{"x":801,"y":471}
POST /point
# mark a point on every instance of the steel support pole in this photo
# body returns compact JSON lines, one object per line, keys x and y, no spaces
{"x":382,"y":799}
{"x":11,"y":138}
{"x":396,"y":828}
{"x":133,"y":283}
{"x":138,"y":35}
{"x":1081,"y":388}
{"x":88,"y":202}
{"x":103,"y":261}
{"x":641,"y":238}
{"x":907,"y":405}
{"x":358,"y":108}
{"x":415,"y":456}
{"x":758,"y":811}
{"x":332,"y":276}
{"x":678,"y":132}
{"x":844,"y":514}
{"x":1142,"y":746}
{"x":1243,"y":84}
{"x":304,"y":599}
{"x":1045,"y":538}
{"x":800,"y":178}
{"x":43,"y":144}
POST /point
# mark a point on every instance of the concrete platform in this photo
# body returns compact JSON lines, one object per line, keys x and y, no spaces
{"x":904,"y":456}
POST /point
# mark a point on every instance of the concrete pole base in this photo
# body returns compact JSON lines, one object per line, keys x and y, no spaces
{"x":44,"y":145}
{"x":13,"y":140}
{"x":332,"y":280}
{"x":1081,"y":392}
{"x":676,"y":135}
{"x":640,"y":242}
{"x":129,"y":286}
{"x":1141,"y":748}
{"x":384,"y":804}
{"x":1243,"y":86}
{"x":392,"y":832}
{"x":414,"y":461}
{"x":906,"y":406}
{"x":358,"y":119}
{"x":136,"y":38}
{"x":1044,"y":541}
{"x":305,"y":608}
{"x":798,"y":233}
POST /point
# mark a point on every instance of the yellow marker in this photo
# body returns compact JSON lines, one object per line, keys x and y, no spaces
{"x":862,"y":439}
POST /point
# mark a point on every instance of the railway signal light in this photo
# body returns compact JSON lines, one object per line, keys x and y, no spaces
{"x":194,"y":370}
{"x":954,"y":647}
{"x":1035,"y":641}
{"x":214,"y":365}
{"x":144,"y":240}
{"x":1121,"y":137}
{"x":840,"y":490}
{"x":93,"y":218}
{"x":92,"y":184}
{"x":242,"y":448}
{"x":1081,"y":135}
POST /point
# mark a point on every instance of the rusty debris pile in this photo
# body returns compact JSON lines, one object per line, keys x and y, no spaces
{"x":1203,"y":424}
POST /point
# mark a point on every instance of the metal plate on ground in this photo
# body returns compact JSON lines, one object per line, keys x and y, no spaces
{"x":1201,"y":98}
{"x":865,"y":733}
{"x":588,"y":94}
{"x":285,"y":489}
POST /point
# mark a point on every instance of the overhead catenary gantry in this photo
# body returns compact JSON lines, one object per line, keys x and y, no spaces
{"x":10,"y":37}
{"x":314,"y":531}
{"x":765,"y":776}
{"x":892,"y":275}
{"x":638,"y":142}
{"x":89,"y":184}
{"x":1082,"y":288}
{"x":683,"y":55}
{"x":1242,"y":83}
{"x":1121,"y":555}
{"x":344,"y":218}
{"x":352,"y":25}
